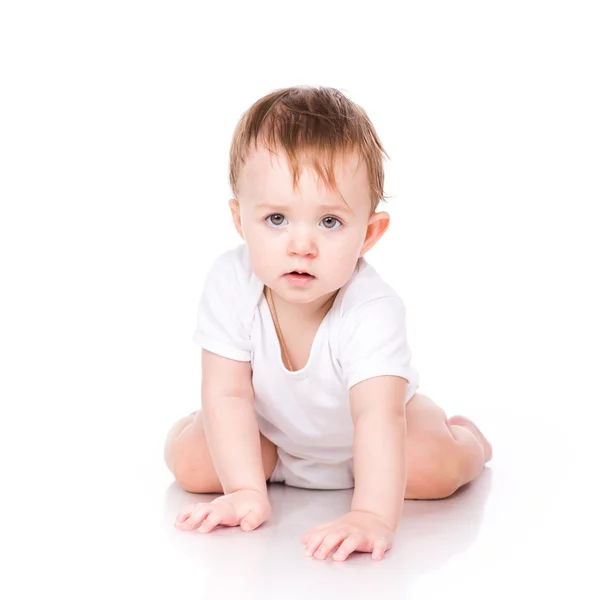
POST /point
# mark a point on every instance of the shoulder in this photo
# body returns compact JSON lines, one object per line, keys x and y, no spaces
{"x":368,"y":312}
{"x":231,"y":285}
{"x":226,"y":308}
{"x":233,"y":265}
{"x":366,"y":291}
{"x":371,"y":339}
{"x":231,"y":278}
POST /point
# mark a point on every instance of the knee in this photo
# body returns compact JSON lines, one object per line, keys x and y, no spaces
{"x":189,"y":460}
{"x":433,"y":473}
{"x":196,"y":482}
{"x":188,"y":478}
{"x":172,"y":452}
{"x":441,"y":485}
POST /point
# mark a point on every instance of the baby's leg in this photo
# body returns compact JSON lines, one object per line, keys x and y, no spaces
{"x":442,"y":454}
{"x":187,"y":456}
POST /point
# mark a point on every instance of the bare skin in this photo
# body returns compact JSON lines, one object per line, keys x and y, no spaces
{"x":458,"y":447}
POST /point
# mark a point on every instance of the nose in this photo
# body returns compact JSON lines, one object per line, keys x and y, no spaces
{"x":302,"y":243}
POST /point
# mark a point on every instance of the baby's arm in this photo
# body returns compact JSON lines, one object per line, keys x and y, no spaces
{"x":378,"y":412}
{"x":234,"y":443}
{"x":230,"y":423}
{"x":233,"y":439}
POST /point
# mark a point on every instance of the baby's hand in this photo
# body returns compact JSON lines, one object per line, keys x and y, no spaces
{"x":353,"y":532}
{"x":251,"y":508}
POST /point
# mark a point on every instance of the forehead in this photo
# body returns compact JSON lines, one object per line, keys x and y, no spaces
{"x":269,"y":176}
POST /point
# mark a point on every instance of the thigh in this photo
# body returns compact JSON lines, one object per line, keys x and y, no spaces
{"x":188,"y":457}
{"x":424,"y":417}
{"x":429,"y":449}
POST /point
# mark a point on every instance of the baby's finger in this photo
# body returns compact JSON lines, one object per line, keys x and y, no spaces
{"x":379,"y":548}
{"x":311,"y":532}
{"x":314,"y":542}
{"x":329,"y":543}
{"x":197,"y":516}
{"x":182,"y":516}
{"x":349,"y":545}
{"x":185,"y":514}
{"x":251,"y":520}
{"x":211,"y":521}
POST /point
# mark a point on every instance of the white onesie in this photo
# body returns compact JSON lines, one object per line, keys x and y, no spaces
{"x":306,"y":413}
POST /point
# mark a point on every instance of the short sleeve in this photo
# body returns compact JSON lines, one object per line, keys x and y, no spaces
{"x":373,"y":342}
{"x":220,"y":319}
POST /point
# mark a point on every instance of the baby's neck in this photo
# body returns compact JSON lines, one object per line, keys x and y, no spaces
{"x":312,"y":311}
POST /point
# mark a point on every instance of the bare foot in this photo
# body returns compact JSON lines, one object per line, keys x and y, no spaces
{"x":460,"y":420}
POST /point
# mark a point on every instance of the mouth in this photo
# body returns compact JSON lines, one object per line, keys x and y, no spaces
{"x":301,"y":274}
{"x":297,"y":278}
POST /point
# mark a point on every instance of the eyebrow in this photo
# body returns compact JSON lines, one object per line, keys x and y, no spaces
{"x":281,"y":207}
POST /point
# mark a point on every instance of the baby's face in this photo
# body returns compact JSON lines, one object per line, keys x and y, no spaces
{"x":308,"y":229}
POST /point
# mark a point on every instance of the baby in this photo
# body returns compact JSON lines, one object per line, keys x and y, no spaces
{"x":306,"y":370}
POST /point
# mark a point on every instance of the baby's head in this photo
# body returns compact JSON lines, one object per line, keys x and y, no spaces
{"x":306,"y":171}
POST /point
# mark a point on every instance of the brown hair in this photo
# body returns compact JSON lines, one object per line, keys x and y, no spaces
{"x":318,"y":121}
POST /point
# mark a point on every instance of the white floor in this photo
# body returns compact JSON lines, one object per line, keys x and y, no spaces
{"x":96,"y":521}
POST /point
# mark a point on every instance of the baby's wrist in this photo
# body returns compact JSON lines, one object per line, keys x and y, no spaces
{"x":261,"y":491}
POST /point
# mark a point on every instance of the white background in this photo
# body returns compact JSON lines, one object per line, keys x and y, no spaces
{"x":115,"y":124}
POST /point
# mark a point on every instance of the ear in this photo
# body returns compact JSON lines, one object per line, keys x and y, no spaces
{"x":376,"y":227}
{"x":234,"y":206}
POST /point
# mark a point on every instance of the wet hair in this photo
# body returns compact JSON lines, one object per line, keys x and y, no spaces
{"x":318,"y":122}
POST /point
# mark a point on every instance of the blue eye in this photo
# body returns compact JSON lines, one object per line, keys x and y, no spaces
{"x":275,"y":221}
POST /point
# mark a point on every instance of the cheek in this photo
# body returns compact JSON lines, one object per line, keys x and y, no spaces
{"x":255,"y":238}
{"x":344,"y":248}
{"x":262,"y":257}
